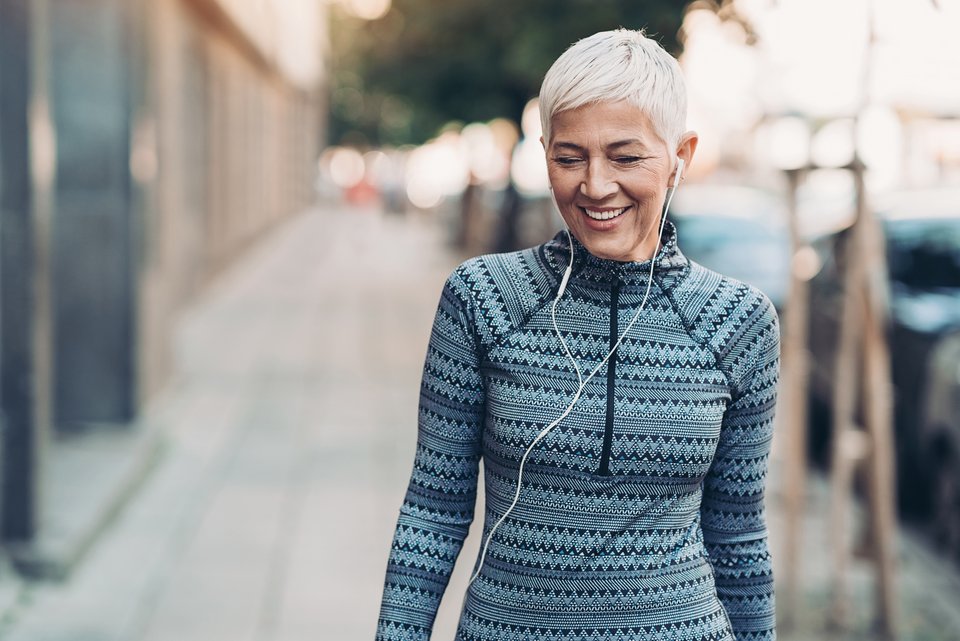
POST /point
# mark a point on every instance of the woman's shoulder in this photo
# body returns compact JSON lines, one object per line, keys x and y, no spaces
{"x":486,"y":265}
{"x":504,"y":289}
{"x":736,"y":320}
{"x":517,"y":276}
{"x":710,"y":296}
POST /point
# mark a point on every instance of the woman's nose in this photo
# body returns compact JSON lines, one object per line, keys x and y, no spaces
{"x":599,"y":184}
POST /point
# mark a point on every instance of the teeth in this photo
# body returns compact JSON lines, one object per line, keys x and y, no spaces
{"x":605,"y":215}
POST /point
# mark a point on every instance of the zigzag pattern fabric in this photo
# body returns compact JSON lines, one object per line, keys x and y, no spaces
{"x":641,"y":514}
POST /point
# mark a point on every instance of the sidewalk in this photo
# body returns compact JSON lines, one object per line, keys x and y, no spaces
{"x":289,"y":437}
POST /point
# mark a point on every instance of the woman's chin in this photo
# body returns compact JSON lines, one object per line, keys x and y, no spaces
{"x":609,"y":249}
{"x":619,"y":247}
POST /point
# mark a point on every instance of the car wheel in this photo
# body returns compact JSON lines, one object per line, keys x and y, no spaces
{"x":946,"y":504}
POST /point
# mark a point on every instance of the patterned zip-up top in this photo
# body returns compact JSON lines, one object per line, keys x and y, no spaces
{"x":641,"y":514}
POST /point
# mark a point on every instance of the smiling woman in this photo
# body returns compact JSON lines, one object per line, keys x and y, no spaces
{"x":609,"y":171}
{"x":620,"y":396}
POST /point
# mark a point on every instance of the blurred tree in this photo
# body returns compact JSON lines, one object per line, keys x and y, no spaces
{"x":428,"y":62}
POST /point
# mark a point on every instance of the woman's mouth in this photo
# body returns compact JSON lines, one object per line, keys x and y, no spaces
{"x":603,"y":214}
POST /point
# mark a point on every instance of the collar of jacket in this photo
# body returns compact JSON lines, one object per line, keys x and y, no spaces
{"x":670,"y":261}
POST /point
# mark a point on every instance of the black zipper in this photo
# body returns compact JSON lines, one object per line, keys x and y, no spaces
{"x":611,"y":379}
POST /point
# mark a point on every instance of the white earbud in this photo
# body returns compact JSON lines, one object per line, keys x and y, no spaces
{"x":677,"y":176}
{"x":566,"y":279}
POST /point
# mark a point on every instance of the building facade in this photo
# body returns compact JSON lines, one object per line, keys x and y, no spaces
{"x":145,"y":145}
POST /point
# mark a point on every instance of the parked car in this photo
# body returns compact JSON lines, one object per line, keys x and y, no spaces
{"x":940,"y":438}
{"x":738,"y":231}
{"x":922,"y":231}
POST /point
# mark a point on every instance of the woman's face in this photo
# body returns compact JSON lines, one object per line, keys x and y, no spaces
{"x":609,"y":172}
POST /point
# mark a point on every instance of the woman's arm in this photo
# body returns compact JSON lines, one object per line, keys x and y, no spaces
{"x":439,"y":504}
{"x":732,"y":512}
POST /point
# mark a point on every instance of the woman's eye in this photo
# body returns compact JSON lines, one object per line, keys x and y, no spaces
{"x":566,"y":160}
{"x":628,"y":160}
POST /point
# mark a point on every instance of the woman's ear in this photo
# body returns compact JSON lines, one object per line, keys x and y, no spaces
{"x":685,"y":151}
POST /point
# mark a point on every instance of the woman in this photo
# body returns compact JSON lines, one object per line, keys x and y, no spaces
{"x":622,"y":406}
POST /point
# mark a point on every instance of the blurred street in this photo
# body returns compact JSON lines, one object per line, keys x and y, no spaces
{"x":225,"y":229}
{"x":288,"y":437}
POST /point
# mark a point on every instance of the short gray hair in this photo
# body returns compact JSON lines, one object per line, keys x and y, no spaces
{"x":610,"y":66}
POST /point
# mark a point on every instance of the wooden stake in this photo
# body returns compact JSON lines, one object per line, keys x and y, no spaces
{"x":842,"y":427}
{"x":878,"y":414}
{"x":863,"y":342}
{"x":794,"y":421}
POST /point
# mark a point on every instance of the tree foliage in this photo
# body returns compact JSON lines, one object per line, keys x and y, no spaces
{"x":428,"y":62}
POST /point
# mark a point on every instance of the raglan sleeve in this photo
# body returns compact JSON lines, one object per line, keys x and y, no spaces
{"x":439,"y":504}
{"x":732,"y":511}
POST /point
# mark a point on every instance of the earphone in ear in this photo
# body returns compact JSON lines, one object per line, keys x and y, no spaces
{"x":677,"y":177}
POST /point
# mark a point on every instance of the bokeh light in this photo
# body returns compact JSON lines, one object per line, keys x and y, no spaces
{"x":437,"y":169}
{"x":529,"y":168}
{"x":880,"y":144}
{"x":346,"y":167}
{"x":367,"y":9}
{"x":487,"y":162}
{"x":833,"y":144}
{"x":530,"y":121}
{"x":529,"y":165}
{"x":785,"y":142}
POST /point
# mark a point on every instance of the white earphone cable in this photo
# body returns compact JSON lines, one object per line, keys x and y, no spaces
{"x":582,"y":382}
{"x":553,"y":311}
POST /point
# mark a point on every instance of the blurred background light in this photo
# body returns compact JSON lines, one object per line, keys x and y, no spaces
{"x":530,"y":120}
{"x":529,"y":168}
{"x":378,"y":167}
{"x":487,"y":163}
{"x":806,"y":263}
{"x":346,"y":167}
{"x":785,"y":142}
{"x":437,"y":169}
{"x":367,"y":9}
{"x":833,"y":144}
{"x":811,"y":54}
{"x":880,"y":142}
{"x":826,"y":201}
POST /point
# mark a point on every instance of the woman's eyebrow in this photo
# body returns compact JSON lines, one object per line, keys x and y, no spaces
{"x":568,"y":145}
{"x":626,"y":143}
{"x":562,"y":144}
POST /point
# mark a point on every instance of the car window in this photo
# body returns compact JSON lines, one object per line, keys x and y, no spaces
{"x":924,"y":253}
{"x":723,"y":230}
